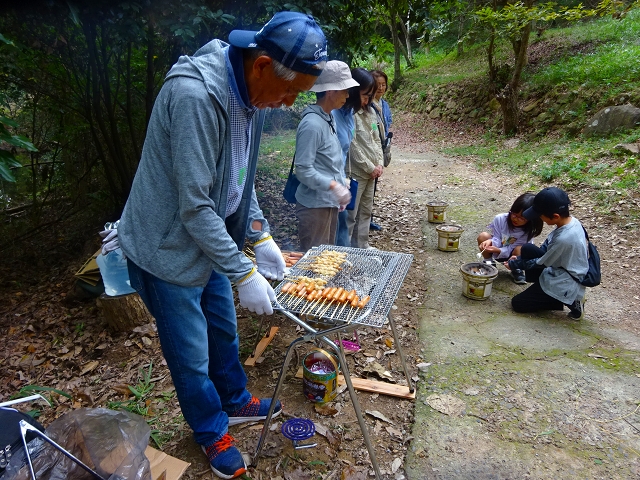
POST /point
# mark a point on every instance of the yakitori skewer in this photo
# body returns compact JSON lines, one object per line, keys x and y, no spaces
{"x":347,"y":301}
{"x":359,"y":306}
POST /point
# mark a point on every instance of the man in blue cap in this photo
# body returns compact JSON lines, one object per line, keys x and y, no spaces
{"x":193,"y":204}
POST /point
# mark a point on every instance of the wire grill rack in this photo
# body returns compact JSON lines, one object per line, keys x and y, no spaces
{"x":376,"y":273}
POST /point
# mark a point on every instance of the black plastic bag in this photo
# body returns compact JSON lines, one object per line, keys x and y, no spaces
{"x":10,"y":438}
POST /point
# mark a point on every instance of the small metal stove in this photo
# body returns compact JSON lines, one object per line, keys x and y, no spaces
{"x":374,"y":273}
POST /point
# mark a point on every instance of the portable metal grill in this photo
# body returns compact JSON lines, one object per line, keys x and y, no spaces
{"x":374,"y":273}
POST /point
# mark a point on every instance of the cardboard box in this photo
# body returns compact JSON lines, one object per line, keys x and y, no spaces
{"x":163,"y":466}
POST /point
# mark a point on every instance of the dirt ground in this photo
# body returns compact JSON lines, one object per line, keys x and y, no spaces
{"x":54,"y":338}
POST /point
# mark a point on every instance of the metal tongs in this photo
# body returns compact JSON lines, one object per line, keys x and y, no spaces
{"x":25,"y":427}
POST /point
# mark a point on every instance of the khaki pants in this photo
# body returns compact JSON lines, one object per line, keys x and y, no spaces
{"x":316,"y":226}
{"x":359,"y":218}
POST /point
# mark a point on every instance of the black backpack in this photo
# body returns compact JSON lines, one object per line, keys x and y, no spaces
{"x":593,"y":276}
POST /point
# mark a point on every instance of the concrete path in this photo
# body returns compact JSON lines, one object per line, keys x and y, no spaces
{"x":504,"y":395}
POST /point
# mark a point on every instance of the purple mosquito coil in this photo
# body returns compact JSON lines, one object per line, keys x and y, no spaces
{"x":297,"y":429}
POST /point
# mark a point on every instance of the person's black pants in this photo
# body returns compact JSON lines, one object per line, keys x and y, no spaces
{"x":534,"y":299}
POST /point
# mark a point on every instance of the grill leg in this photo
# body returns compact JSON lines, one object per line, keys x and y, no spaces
{"x":400,"y":352}
{"x":356,"y":405}
{"x":274,"y":399}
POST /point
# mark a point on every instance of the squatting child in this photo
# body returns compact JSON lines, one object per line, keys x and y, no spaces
{"x":559,"y":264}
{"x":507,"y":232}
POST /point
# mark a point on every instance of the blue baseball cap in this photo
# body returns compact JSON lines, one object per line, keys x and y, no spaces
{"x":293,"y":39}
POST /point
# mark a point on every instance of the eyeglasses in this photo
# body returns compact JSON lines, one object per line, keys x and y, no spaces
{"x":517,"y":216}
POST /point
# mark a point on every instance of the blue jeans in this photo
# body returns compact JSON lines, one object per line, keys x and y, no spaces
{"x":342,"y":234}
{"x":197,"y":328}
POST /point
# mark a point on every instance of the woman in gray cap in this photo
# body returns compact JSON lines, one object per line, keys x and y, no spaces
{"x":323,"y":190}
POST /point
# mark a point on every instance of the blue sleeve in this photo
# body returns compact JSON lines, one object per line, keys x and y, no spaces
{"x":386,"y":113}
{"x":344,"y":129}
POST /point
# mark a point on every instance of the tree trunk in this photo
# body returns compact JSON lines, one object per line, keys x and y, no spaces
{"x":508,"y":97}
{"x":407,"y":40}
{"x":124,"y":312}
{"x":461,"y":21}
{"x":510,"y":113}
{"x":397,"y":73}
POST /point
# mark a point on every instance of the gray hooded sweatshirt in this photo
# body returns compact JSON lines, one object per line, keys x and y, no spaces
{"x":173,"y":224}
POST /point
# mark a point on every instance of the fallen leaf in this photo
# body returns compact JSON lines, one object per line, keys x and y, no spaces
{"x":89,"y":367}
{"x":595,"y":355}
{"x":300,"y":474}
{"x":375,"y":367}
{"x":333,"y":440}
{"x":394,"y":432}
{"x":447,"y":404}
{"x":325,"y":410}
{"x":122,"y":389}
{"x":378,"y":415}
{"x":377,"y":428}
{"x":84,"y":397}
{"x":396,"y":465}
{"x":352,"y":473}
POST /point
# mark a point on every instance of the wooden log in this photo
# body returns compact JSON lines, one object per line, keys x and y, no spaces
{"x":124,"y":312}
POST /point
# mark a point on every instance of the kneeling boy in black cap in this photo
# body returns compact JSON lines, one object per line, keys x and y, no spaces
{"x":557,"y":263}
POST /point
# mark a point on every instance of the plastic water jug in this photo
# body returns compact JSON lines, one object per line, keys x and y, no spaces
{"x":113,"y":268}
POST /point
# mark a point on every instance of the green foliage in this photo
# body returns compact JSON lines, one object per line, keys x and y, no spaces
{"x":80,"y":328}
{"x":145,"y":402}
{"x":612,"y":63}
{"x":85,"y":76}
{"x":276,"y":153}
{"x":46,"y":392}
{"x":510,"y":20}
{"x":8,"y":159}
{"x":584,"y":163}
{"x":439,"y":67}
{"x":379,"y":47}
{"x":447,"y":23}
{"x":139,"y":404}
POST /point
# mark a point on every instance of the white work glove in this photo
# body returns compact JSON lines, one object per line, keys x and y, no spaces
{"x":269,"y":259}
{"x":256,"y":294}
{"x":341,"y":194}
{"x":109,"y":240}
